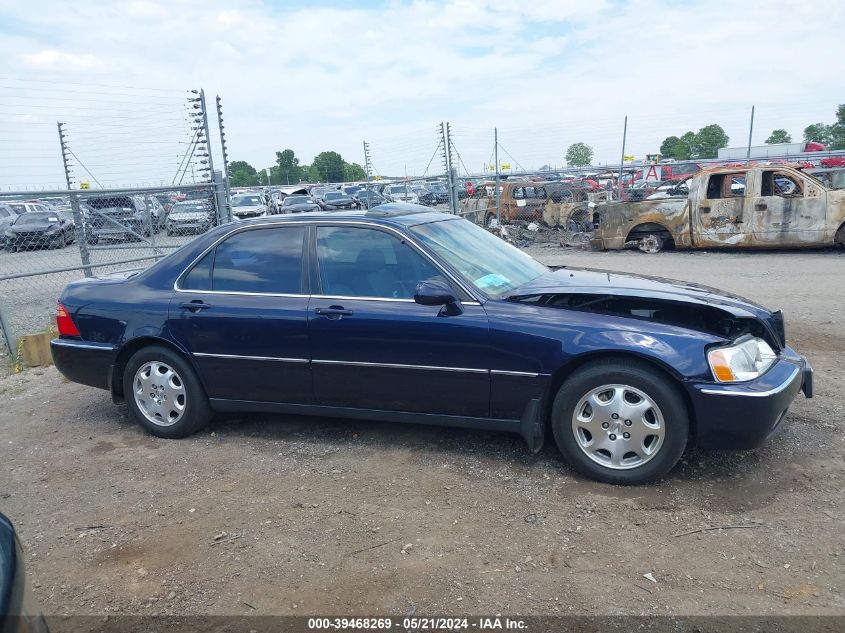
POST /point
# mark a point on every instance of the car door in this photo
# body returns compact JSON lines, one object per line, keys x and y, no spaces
{"x":722,"y":214}
{"x":789,"y":210}
{"x":241,"y":311}
{"x":373,"y":347}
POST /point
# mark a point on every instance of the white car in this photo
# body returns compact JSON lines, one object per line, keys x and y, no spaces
{"x":247,"y":206}
{"x":402,"y":192}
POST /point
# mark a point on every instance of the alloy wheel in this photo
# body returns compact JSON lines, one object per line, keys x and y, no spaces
{"x":618,"y":426}
{"x":159,"y":393}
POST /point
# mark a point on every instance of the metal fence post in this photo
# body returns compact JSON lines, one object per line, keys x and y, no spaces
{"x":80,"y":234}
{"x":8,"y":336}
{"x":498,"y":192}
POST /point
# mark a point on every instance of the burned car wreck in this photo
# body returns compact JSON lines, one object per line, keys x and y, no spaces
{"x":759,"y":207}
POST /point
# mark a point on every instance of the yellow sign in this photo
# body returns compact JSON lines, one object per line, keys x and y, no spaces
{"x":506,"y":166}
{"x":491,"y":167}
{"x":378,"y":177}
{"x":84,"y":184}
{"x":627,"y":157}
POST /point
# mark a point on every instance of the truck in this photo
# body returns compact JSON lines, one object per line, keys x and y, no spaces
{"x":772,"y":150}
{"x":756,"y":207}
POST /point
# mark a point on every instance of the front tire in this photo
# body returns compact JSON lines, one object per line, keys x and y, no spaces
{"x":651,"y":243}
{"x":620,"y":422}
{"x":164,"y":394}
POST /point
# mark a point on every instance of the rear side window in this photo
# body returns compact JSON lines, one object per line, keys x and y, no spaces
{"x":262,"y":260}
{"x":265,"y":261}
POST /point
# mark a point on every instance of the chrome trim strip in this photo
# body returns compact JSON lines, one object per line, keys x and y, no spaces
{"x":468,"y":370}
{"x":525,"y":374}
{"x":343,"y":298}
{"x":238,"y":357}
{"x":754,"y":394}
{"x":63,"y":342}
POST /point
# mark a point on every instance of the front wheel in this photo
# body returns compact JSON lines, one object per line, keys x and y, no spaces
{"x":164,"y":393}
{"x":620,"y":421}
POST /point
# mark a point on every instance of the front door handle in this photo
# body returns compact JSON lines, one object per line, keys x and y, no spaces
{"x":194,"y":306}
{"x":704,"y":209}
{"x":761,"y":206}
{"x":334,"y":312}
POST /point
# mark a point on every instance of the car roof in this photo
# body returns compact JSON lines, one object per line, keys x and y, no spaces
{"x":393,"y":213}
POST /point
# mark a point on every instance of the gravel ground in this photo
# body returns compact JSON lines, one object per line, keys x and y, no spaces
{"x":289,"y":515}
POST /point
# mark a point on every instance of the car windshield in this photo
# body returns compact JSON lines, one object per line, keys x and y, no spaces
{"x":30,"y":219}
{"x":246,"y":201}
{"x":489,"y":263}
{"x":437,"y":187}
{"x":401,"y":188}
{"x":295,"y":200}
{"x":334,"y":195}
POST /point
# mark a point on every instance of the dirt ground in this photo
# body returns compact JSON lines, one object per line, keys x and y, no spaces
{"x":288,"y":515}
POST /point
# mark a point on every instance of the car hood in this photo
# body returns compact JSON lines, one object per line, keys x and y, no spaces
{"x":41,"y":227}
{"x":302,"y":206}
{"x":252,"y":210}
{"x":190,"y":215}
{"x":338,"y":201}
{"x":575,"y":280}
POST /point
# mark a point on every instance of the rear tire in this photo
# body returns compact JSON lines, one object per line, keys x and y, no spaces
{"x":648,"y":408}
{"x":651,"y":243}
{"x":164,"y":394}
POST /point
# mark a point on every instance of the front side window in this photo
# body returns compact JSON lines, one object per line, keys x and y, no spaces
{"x":780,"y":184}
{"x":726,"y":186}
{"x":266,"y":261}
{"x":360,"y":262}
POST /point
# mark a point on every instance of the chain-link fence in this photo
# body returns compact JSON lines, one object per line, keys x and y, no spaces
{"x":58,"y":237}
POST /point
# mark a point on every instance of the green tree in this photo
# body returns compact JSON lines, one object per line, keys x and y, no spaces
{"x":779,"y":136}
{"x":709,"y":140}
{"x":838,"y":129}
{"x":579,"y":155}
{"x":326,"y":167}
{"x":818,"y":132}
{"x":685,"y":147}
{"x":668,"y":145}
{"x":242,"y":174}
{"x":353,"y":171}
{"x":287,"y":170}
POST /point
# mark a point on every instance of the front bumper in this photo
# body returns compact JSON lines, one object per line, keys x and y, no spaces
{"x":745,"y":415}
{"x":84,"y":362}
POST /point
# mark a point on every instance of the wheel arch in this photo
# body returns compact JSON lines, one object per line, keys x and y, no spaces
{"x":566,"y":370}
{"x":128,"y":349}
{"x":649,"y":227}
{"x":839,"y":236}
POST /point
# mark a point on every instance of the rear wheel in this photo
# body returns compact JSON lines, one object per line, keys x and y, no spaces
{"x":620,"y":421}
{"x":164,"y":393}
{"x":651,"y":243}
{"x":839,"y":239}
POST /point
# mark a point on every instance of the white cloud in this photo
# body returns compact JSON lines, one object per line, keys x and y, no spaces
{"x":52,"y":59}
{"x":547,"y":73}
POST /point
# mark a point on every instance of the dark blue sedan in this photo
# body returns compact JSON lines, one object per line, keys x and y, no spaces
{"x":409,"y":315}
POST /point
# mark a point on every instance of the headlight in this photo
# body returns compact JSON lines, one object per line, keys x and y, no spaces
{"x":745,"y":359}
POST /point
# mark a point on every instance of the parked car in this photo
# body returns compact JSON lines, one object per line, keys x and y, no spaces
{"x":401,"y":192}
{"x":19,"y":612}
{"x":729,"y":207}
{"x":316,"y":192}
{"x":38,"y":229}
{"x":118,"y":218}
{"x":351,"y":190}
{"x":7,"y":216}
{"x":247,"y":206}
{"x":368,"y":199}
{"x":190,"y":216}
{"x":409,"y":315}
{"x":335,"y":200}
{"x":298,"y":204}
{"x":440,"y":191}
{"x":425,"y":197}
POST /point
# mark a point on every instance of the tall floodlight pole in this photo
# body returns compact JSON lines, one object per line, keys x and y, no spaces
{"x":750,"y":131}
{"x":622,"y":162}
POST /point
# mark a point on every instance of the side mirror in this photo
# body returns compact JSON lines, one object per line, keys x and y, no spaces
{"x":436,"y":292}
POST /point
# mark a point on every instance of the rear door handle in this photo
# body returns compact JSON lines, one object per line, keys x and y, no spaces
{"x":194,"y":306}
{"x":334,"y":312}
{"x":704,"y":209}
{"x":761,"y":206}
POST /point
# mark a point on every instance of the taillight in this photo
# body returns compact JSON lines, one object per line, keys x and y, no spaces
{"x":64,"y":323}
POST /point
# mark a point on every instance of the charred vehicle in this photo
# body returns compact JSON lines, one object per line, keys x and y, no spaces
{"x":553,"y":203}
{"x":729,"y":207}
{"x":404,"y":314}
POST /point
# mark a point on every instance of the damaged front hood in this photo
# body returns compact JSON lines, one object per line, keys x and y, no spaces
{"x":574,"y":280}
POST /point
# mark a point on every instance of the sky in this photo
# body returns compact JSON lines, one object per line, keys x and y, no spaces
{"x":315,"y":76}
